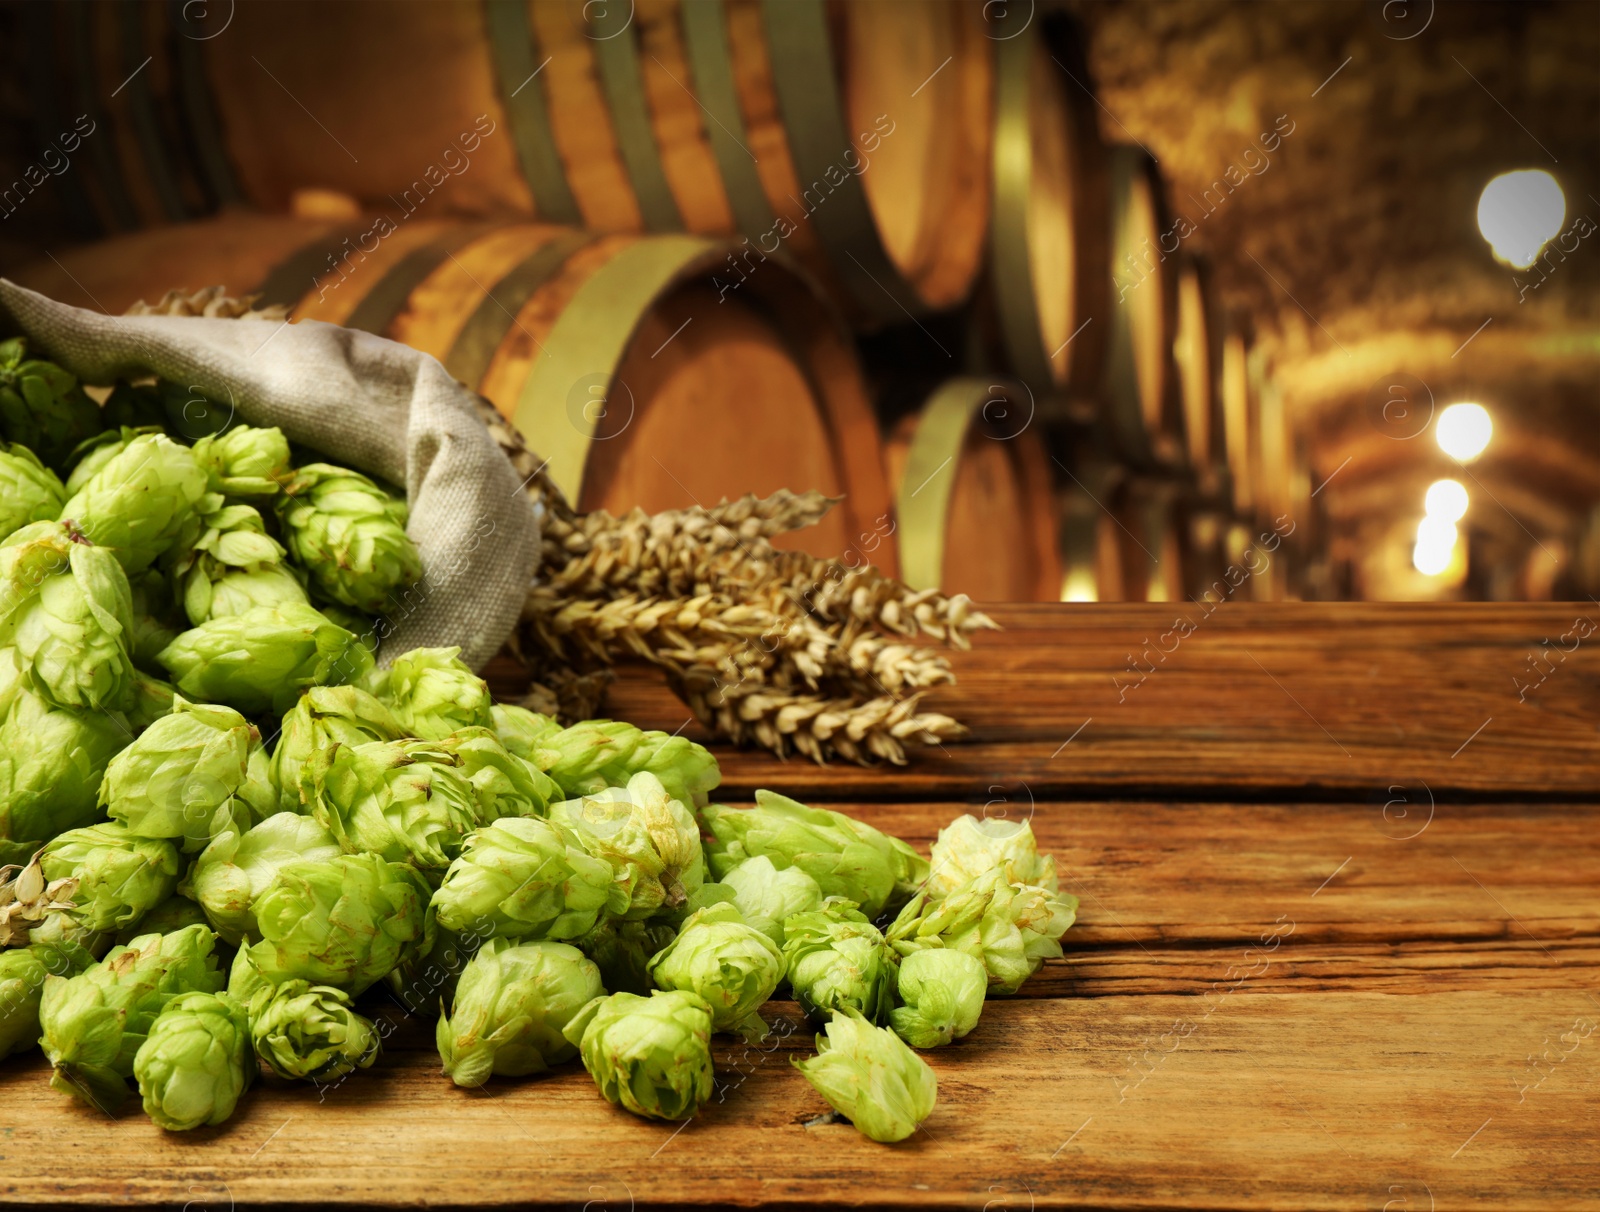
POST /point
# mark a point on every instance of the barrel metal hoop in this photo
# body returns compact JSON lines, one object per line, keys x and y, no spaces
{"x":200,"y":112}
{"x":807,"y":84}
{"x":922,"y":501}
{"x":378,"y":309}
{"x":586,"y":345}
{"x":102,"y":151}
{"x":705,"y":38}
{"x":511,"y":46}
{"x":617,"y":57}
{"x":142,"y":113}
{"x":291,"y":279}
{"x":487,"y":326}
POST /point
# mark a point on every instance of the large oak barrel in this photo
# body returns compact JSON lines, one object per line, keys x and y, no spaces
{"x":854,"y":134}
{"x":1241,"y":437}
{"x":1197,"y":358}
{"x":1142,"y":401}
{"x":614,"y":355}
{"x":1050,"y":256}
{"x":1154,"y":539}
{"x":975,"y":507}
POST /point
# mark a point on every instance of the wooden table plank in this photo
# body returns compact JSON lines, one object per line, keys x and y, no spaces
{"x":1244,"y":1100}
{"x":1318,"y":698}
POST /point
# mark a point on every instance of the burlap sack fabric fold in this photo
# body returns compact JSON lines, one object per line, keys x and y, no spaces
{"x":371,"y":403}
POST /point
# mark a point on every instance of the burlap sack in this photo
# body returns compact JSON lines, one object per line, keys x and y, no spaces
{"x":366,"y":402}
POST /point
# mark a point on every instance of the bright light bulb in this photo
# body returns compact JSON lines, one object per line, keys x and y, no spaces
{"x":1446,"y":499}
{"x":1519,"y":213}
{"x":1430,"y":561}
{"x":1434,"y":533}
{"x":1080,"y":586}
{"x":1463,"y":431}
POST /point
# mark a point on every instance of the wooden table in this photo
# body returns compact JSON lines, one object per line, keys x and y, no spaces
{"x":1338,"y":947}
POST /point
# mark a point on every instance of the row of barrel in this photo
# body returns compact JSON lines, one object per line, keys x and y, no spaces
{"x":621,"y":360}
{"x":587,"y":211}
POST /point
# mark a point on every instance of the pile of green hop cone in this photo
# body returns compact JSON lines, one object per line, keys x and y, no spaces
{"x":225,"y":826}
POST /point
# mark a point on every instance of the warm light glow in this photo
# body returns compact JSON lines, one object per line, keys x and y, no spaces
{"x":1519,"y":213}
{"x":1080,"y":586}
{"x":1446,"y":499}
{"x":1430,"y":561}
{"x":1436,"y":545}
{"x":1463,"y":431}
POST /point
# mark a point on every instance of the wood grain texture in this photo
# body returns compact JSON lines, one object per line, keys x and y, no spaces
{"x":1372,"y":1001}
{"x":1309,"y":700}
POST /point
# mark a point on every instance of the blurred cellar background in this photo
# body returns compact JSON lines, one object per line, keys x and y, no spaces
{"x":1095,"y":301}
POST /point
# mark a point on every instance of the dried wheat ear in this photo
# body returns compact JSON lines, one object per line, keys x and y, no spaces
{"x":771,"y":647}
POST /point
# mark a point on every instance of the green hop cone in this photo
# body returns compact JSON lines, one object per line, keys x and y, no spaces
{"x":237,"y":867}
{"x":596,"y":754}
{"x":234,"y":566}
{"x":96,"y":452}
{"x":846,"y":857}
{"x":344,"y":921}
{"x":405,"y":800}
{"x":117,"y":877}
{"x":522,"y":731}
{"x":326,"y":716}
{"x":523,"y":877}
{"x":432,"y":693}
{"x":310,"y":1032}
{"x":357,"y":624}
{"x":67,"y":608}
{"x":142,"y":502}
{"x":196,"y":1061}
{"x":244,"y":461}
{"x":134,"y":406}
{"x":29,"y":491}
{"x":22,"y":975}
{"x":42,"y":406}
{"x":174,"y":913}
{"x":1011,"y":928}
{"x":510,"y":1008}
{"x":733,"y":966}
{"x":650,"y":839}
{"x":51,"y":764}
{"x":92,"y":1024}
{"x":504,"y":784}
{"x":349,"y":535}
{"x":768,"y":896}
{"x":181,"y":777}
{"x":649,"y":1055}
{"x":623,"y":951}
{"x":838,"y":960}
{"x":869,"y":1076}
{"x":942,"y":992}
{"x":260,"y":661}
{"x":967,"y":847}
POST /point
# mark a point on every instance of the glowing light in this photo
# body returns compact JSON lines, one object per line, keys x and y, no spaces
{"x":1446,"y":499}
{"x":1429,"y":561}
{"x":1519,"y":213}
{"x":1463,"y":430}
{"x":1080,"y":586}
{"x":1436,"y":545}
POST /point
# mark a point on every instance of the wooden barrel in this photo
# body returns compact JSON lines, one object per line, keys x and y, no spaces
{"x":852,"y":134}
{"x":1143,"y":409}
{"x":1197,"y":358}
{"x":1091,"y":538}
{"x":614,"y":355}
{"x":1154,"y":540}
{"x":974,"y":503}
{"x":1049,"y":247}
{"x":1240,"y":435}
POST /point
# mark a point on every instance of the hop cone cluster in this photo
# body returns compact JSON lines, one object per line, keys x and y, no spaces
{"x":349,"y":535}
